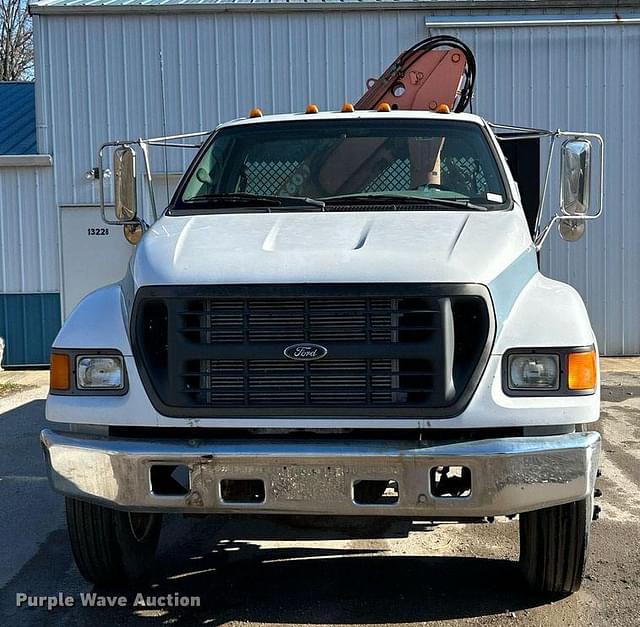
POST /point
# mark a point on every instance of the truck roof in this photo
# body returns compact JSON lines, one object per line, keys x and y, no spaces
{"x":356,"y":115}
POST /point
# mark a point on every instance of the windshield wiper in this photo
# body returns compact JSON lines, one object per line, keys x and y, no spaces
{"x":401,"y":199}
{"x":247,"y":199}
{"x":448,"y":202}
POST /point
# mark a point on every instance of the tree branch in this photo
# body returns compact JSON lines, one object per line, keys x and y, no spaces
{"x":16,"y":41}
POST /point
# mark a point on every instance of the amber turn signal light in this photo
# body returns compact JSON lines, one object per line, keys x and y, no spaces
{"x":582,"y":370}
{"x":60,"y":372}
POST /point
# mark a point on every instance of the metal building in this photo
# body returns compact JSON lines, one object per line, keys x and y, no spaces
{"x":29,"y":300}
{"x":110,"y":69}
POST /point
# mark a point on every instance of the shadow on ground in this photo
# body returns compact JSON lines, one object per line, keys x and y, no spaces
{"x":230,"y":566}
{"x":238,"y":580}
{"x":20,"y":452}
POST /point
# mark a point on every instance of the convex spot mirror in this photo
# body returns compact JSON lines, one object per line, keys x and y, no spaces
{"x":124,"y":183}
{"x":571,"y":230}
{"x":575,"y":177}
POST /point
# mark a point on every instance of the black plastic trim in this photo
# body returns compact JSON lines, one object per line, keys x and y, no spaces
{"x":219,"y":434}
{"x":302,"y":291}
{"x":74,"y":390}
{"x":561,"y":352}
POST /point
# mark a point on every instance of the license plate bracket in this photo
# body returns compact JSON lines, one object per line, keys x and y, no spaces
{"x":301,"y":482}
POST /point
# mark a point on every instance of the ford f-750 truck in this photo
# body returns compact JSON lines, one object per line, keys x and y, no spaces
{"x":338,"y":314}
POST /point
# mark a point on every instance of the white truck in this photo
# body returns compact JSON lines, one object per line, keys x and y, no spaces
{"x":338,"y":314}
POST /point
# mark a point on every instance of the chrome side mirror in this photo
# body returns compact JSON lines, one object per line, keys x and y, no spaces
{"x":575,"y":181}
{"x":124,"y":183}
{"x":575,"y":187}
{"x":575,"y":177}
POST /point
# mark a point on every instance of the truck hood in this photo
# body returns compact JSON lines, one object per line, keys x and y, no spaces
{"x":418,"y":246}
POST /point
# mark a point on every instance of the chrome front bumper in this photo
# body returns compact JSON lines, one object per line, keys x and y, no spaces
{"x":508,"y":475}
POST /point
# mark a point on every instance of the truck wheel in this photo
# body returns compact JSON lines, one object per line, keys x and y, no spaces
{"x":553,"y":546}
{"x":110,"y":546}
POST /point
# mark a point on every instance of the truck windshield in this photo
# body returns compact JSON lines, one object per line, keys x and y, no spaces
{"x":307,"y":165}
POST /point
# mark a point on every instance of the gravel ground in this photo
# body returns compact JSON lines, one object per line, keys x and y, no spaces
{"x":258,"y":572}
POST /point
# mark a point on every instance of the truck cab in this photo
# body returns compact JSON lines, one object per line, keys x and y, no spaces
{"x":338,"y":314}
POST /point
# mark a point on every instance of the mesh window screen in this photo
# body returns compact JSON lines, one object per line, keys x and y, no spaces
{"x":267,"y":177}
{"x":462,"y":174}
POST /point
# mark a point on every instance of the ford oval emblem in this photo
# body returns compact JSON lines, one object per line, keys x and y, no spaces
{"x":305,"y":352}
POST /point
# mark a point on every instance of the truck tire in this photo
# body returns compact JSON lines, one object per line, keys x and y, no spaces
{"x":109,"y":546}
{"x":554,"y":543}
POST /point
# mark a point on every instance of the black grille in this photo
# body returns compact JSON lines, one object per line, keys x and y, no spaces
{"x":221,"y":352}
{"x":300,"y":320}
{"x":325,"y":382}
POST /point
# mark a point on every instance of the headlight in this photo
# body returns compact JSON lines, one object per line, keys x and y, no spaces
{"x":92,"y":372}
{"x":534,"y":372}
{"x":99,"y":372}
{"x":550,"y":371}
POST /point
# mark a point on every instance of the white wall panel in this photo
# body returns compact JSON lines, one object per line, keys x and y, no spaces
{"x":100,"y":79}
{"x":578,"y":78}
{"x":28,"y":230}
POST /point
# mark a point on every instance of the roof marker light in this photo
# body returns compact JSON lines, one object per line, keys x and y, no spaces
{"x":384,"y":107}
{"x":443,"y":108}
{"x":255,"y":113}
{"x":311,"y":108}
{"x":347,"y":107}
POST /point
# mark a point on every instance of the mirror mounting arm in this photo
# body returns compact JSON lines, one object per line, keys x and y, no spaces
{"x":144,"y":147}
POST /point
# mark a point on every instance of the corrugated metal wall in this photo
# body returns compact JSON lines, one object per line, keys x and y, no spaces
{"x":29,"y":324}
{"x":579,"y":78}
{"x":29,"y":277}
{"x":28,"y":230}
{"x":100,"y":78}
{"x":18,"y":128}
